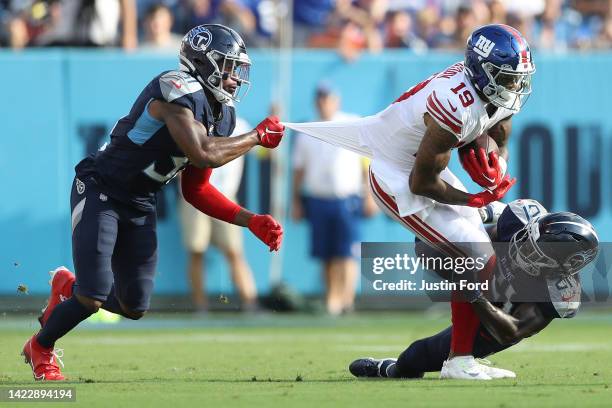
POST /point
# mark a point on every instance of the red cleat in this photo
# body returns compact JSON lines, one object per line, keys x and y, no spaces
{"x":61,"y":289}
{"x":43,"y":361}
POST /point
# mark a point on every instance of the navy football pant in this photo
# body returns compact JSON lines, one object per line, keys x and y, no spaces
{"x":114,"y":247}
{"x":428,"y":354}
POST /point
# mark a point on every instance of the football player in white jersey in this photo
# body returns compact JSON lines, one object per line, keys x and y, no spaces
{"x":411,"y":142}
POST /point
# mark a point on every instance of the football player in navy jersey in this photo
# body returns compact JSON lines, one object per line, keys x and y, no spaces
{"x":179,"y":122}
{"x":545,"y":252}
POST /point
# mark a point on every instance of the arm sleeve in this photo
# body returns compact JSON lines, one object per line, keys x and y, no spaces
{"x":197,"y":190}
{"x":446,"y":110}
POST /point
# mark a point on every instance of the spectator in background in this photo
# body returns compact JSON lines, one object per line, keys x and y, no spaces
{"x":21,"y":21}
{"x":399,"y":32}
{"x":157,"y":30}
{"x":267,"y":14}
{"x":604,"y":39}
{"x":329,"y":191}
{"x":200,"y":230}
{"x":310,"y":17}
{"x":232,"y":13}
{"x":348,"y":25}
{"x":549,"y":32}
{"x":91,"y":23}
{"x":362,"y":20}
{"x":428,"y":27}
{"x":497,"y":10}
{"x":466,"y":21}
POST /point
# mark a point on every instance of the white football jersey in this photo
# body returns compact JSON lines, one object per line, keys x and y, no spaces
{"x":392,"y":137}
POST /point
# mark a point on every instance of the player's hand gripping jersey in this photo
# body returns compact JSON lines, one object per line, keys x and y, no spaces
{"x":142,"y":155}
{"x":557,"y":297}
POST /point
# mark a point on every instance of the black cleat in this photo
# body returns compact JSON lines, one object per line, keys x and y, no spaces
{"x":368,"y":367}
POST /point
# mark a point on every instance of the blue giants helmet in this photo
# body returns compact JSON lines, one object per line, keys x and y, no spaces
{"x":498,"y":63}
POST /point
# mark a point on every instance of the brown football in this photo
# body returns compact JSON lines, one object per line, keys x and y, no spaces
{"x":485,"y":141}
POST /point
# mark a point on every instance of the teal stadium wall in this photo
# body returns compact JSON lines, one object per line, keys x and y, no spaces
{"x":57,"y":104}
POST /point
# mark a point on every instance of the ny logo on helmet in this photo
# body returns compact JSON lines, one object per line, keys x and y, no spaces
{"x":483,"y":46}
{"x":200,"y":38}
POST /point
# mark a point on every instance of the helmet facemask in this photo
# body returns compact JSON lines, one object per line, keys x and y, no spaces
{"x":220,"y":66}
{"x":228,"y":66}
{"x":507,"y":88}
{"x":528,"y":254}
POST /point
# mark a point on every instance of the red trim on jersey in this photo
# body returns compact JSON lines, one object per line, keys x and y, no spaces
{"x":435,"y":111}
{"x":198,"y":192}
{"x":414,"y":90}
{"x":415,"y":224}
{"x":448,"y":114}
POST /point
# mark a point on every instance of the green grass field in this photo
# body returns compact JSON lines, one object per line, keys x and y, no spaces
{"x":288,"y":361}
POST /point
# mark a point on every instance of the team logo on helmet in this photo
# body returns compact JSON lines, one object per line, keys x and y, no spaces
{"x":483,"y":46}
{"x":199,"y":38}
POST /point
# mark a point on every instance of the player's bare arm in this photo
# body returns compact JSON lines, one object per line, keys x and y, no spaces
{"x":432,"y":158}
{"x":192,"y":137}
{"x":509,"y":329}
{"x":500,"y":132}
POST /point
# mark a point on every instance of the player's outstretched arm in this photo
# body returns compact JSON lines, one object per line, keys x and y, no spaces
{"x":432,"y":158}
{"x":203,"y":151}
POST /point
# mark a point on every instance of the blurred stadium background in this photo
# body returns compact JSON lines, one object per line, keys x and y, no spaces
{"x":71,"y":68}
{"x":65,"y":86}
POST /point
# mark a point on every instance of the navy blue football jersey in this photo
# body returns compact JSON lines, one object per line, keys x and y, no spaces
{"x":562,"y":294}
{"x":141,"y":156}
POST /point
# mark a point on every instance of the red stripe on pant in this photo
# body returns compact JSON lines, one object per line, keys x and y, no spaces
{"x":465,"y":322}
{"x":415,"y":224}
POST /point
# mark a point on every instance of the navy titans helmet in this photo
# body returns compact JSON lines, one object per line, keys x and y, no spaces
{"x":212,"y":53}
{"x":559,"y":243}
{"x":498,"y":63}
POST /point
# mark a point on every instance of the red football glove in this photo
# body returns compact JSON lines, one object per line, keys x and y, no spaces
{"x":486,"y":197}
{"x":268,"y":230}
{"x":270,"y":132}
{"x":478,"y":167}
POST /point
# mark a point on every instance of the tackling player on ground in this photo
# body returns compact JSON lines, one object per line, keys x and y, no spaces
{"x":411,"y":142}
{"x":179,"y":122}
{"x":537,"y":281}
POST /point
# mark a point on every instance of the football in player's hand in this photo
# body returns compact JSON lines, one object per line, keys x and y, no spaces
{"x":485,"y":141}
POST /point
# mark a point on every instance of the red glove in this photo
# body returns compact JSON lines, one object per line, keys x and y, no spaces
{"x":486,"y":197}
{"x":270,"y":132}
{"x":268,"y":230}
{"x":478,"y":167}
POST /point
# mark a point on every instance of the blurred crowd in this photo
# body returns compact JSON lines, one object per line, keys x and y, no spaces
{"x":350,"y":26}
